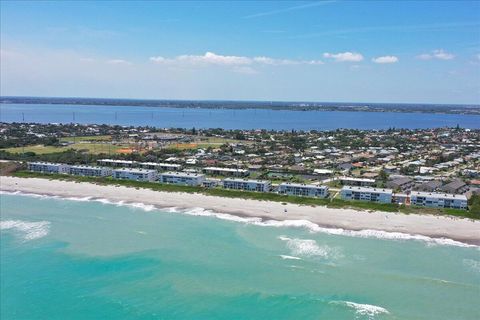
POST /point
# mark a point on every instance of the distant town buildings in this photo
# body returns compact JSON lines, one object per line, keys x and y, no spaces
{"x":402,"y":184}
{"x":456,"y":186}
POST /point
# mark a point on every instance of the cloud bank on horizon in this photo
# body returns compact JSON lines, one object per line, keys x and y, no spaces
{"x":323,"y":51}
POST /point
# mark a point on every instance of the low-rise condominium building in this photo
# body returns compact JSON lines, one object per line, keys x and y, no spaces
{"x":247,"y":185}
{"x":305,"y":190}
{"x":161,"y":166}
{"x":438,"y":200}
{"x":135,"y":174}
{"x":182,"y":178}
{"x":117,"y":163}
{"x":90,"y":171}
{"x":366,"y":194}
{"x":49,"y":167}
{"x":232,"y":172}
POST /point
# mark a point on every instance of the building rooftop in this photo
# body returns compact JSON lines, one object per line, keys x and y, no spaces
{"x":159,"y":164}
{"x":302,"y":185}
{"x":439,"y":195}
{"x":134,"y":170}
{"x":182,"y":174}
{"x":225,"y":169}
{"x":357,"y":179}
{"x":48,"y":163}
{"x":246,"y":180}
{"x":87,"y":167}
{"x":117,"y":161}
{"x":367,"y":189}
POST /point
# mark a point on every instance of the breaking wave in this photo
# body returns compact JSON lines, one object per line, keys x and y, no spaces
{"x":136,"y":205}
{"x":313,"y":227}
{"x":363,"y":309}
{"x":28,"y":230}
{"x":285,"y":257}
{"x":309,"y":248}
{"x":305,"y":224}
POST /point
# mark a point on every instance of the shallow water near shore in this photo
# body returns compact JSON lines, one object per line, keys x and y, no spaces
{"x":91,"y":260}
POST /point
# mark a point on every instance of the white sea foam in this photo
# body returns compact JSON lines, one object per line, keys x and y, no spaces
{"x":309,"y":248}
{"x":363,"y":309}
{"x":367,"y":233}
{"x":28,"y":230}
{"x":285,"y":257}
{"x":224,"y":216}
{"x":136,"y":205}
{"x":312,"y":227}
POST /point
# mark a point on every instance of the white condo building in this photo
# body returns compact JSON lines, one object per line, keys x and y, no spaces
{"x":366,"y":194}
{"x":247,"y":185}
{"x":117,"y":163}
{"x":217,"y":171}
{"x":49,"y":167}
{"x":90,"y":171}
{"x":305,"y":190}
{"x":135,"y":174}
{"x":438,"y":200}
{"x":182,"y":178}
{"x":161,"y":166}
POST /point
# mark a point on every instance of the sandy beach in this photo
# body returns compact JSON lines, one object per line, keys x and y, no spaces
{"x":464,"y":230}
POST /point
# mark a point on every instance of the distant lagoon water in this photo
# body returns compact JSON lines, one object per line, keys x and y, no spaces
{"x":164,"y":117}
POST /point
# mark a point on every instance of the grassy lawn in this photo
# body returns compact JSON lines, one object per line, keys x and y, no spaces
{"x":213,"y":142}
{"x":38,"y":149}
{"x":331,"y":203}
{"x":94,"y":148}
{"x":86,"y":138}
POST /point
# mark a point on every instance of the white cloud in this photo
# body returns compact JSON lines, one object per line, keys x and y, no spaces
{"x":385,"y":59}
{"x":439,"y":54}
{"x":210,"y":58}
{"x":118,"y":61}
{"x":280,"y":62}
{"x":344,"y":56}
{"x":158,"y":59}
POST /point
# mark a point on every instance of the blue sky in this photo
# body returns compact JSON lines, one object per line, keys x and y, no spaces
{"x":427,"y":52}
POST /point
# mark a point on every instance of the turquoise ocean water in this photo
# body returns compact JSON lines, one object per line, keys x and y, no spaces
{"x":65,"y":259}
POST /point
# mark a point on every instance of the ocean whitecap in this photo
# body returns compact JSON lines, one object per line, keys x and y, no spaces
{"x":363,"y":309}
{"x":309,"y":248}
{"x":28,"y":230}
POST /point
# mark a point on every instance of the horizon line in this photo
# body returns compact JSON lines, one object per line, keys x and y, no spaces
{"x":246,"y":100}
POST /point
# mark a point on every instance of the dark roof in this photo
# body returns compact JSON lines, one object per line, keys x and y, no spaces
{"x":400,"y":181}
{"x":432,"y":184}
{"x":454,"y":185}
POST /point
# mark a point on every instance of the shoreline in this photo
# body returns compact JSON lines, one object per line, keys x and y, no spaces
{"x":352,"y":221}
